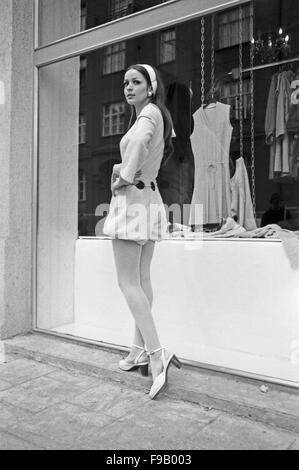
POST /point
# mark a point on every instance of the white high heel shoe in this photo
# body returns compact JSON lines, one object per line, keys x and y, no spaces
{"x":136,"y":363}
{"x":161,"y":379}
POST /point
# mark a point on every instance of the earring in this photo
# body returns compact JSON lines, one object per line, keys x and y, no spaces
{"x":150,"y":93}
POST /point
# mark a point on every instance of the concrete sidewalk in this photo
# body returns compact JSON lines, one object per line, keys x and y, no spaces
{"x":57,"y":394}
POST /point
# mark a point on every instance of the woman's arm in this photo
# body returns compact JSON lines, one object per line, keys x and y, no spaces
{"x":138,"y":147}
{"x":117,"y":182}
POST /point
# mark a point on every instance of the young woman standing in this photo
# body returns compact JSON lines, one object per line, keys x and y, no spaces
{"x":134,"y":191}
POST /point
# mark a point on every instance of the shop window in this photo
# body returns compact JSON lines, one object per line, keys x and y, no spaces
{"x":83,"y":71}
{"x":121,"y":8}
{"x":82,"y":186}
{"x":83,"y":16}
{"x":229,"y":27}
{"x":113,"y":119}
{"x":101,"y":106}
{"x":167,"y":46}
{"x":114,"y":58}
{"x":82,"y":129}
{"x":230,"y":94}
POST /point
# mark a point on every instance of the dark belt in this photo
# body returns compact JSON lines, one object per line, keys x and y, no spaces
{"x":141,"y":185}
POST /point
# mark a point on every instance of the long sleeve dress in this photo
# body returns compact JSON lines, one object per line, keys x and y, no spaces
{"x":138,"y":214}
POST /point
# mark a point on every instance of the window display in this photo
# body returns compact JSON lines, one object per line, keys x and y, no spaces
{"x":229,"y":92}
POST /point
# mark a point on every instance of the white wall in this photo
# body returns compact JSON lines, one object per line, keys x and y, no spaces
{"x":57,"y":170}
{"x":232,"y":304}
{"x":58,"y":191}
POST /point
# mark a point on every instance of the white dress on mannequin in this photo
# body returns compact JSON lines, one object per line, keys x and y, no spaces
{"x":210,"y":144}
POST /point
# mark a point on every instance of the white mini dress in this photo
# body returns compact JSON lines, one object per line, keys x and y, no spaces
{"x":139,"y":214}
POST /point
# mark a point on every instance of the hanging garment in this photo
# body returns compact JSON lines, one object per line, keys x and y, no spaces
{"x":241,"y":202}
{"x":284,"y":93}
{"x":270,"y":120}
{"x":210,"y":144}
{"x":293,"y":130}
{"x":277,"y":135}
{"x":282,"y":150}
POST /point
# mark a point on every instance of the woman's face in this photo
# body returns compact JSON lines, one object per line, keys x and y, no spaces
{"x":136,"y":88}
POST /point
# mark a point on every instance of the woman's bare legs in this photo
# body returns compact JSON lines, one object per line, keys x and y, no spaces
{"x":127,"y":256}
{"x":145,"y":280}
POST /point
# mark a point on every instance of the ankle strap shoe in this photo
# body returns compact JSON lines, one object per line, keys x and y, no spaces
{"x":161,"y":379}
{"x":137,"y":362}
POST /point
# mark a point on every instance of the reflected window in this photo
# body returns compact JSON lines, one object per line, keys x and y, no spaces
{"x":121,"y":8}
{"x":83,"y":16}
{"x":229,"y":28}
{"x":82,"y":129}
{"x":82,"y":186}
{"x":230,"y":94}
{"x":167,"y":46}
{"x":83,"y":68}
{"x":113,"y":119}
{"x":114,"y":58}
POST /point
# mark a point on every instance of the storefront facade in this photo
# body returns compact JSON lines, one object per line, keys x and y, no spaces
{"x":224,"y":303}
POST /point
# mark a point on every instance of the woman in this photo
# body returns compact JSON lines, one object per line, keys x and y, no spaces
{"x":137,"y":218}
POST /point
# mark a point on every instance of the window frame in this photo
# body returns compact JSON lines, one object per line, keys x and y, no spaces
{"x":82,"y":181}
{"x":116,"y":13}
{"x":121,"y":53}
{"x":83,"y":59}
{"x":83,"y":125}
{"x":110,"y":116}
{"x":83,"y":16}
{"x":161,"y":42}
{"x":245,"y":18}
{"x":227,"y":99}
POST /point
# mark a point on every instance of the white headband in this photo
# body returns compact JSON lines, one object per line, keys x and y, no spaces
{"x":152,"y":75}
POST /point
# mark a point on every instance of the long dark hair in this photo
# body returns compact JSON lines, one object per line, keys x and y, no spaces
{"x":159,"y":100}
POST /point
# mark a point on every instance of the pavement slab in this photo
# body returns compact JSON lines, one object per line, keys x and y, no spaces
{"x":4,"y":385}
{"x":295,"y":445}
{"x":11,"y":442}
{"x":9,"y":358}
{"x":41,"y":393}
{"x":233,"y":433}
{"x":10,"y":415}
{"x":111,"y":398}
{"x":74,"y":378}
{"x":65,"y":426}
{"x":21,"y":370}
{"x":160,"y":425}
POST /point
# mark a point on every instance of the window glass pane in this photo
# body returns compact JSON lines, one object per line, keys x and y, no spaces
{"x":167,"y":46}
{"x":62,"y":18}
{"x":80,"y":130}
